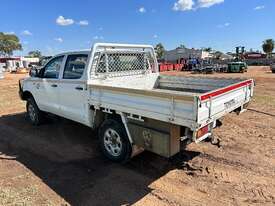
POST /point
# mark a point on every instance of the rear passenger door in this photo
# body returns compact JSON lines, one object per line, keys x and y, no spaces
{"x":73,"y":92}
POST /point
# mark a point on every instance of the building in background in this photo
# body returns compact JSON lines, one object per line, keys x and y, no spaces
{"x":179,"y":54}
{"x":13,"y":63}
{"x":256,"y":58}
{"x":254,"y":55}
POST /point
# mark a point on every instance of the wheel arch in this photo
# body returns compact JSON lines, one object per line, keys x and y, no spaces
{"x":26,"y":95}
{"x":102,"y":115}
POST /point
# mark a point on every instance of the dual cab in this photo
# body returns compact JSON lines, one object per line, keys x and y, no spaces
{"x":118,"y":90}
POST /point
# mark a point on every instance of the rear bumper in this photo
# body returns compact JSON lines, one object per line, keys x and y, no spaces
{"x":209,"y":134}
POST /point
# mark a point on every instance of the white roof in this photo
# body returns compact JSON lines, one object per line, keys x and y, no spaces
{"x":75,"y":52}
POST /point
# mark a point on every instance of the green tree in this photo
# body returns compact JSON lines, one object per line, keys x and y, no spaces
{"x":8,"y":44}
{"x":208,"y":49}
{"x":182,"y":46}
{"x":35,"y":53}
{"x":159,"y":49}
{"x":268,"y":46}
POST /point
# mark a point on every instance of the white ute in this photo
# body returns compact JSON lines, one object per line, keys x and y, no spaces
{"x":117,"y":89}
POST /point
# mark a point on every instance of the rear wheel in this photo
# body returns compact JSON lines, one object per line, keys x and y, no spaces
{"x":34,"y":114}
{"x":114,"y":141}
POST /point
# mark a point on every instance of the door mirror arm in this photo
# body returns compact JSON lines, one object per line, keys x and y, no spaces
{"x":41,"y":72}
{"x":35,"y":72}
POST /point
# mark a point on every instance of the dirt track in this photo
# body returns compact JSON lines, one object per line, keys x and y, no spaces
{"x":59,"y":163}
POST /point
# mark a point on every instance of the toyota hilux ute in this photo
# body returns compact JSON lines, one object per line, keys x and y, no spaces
{"x":117,"y":90}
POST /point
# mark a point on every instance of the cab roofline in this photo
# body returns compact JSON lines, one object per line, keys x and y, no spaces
{"x":87,"y":51}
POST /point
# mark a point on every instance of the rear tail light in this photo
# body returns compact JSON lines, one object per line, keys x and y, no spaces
{"x":203,"y":131}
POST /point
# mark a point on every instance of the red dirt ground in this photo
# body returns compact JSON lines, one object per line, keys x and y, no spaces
{"x":59,"y":163}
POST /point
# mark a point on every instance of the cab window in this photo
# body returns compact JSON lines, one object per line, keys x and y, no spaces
{"x":75,"y":66}
{"x":52,"y":69}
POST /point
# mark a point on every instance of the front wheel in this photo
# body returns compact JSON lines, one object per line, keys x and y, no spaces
{"x":114,"y":141}
{"x":34,"y":114}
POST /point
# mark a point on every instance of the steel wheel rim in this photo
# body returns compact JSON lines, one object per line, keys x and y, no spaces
{"x":112,"y":142}
{"x":32,"y":113}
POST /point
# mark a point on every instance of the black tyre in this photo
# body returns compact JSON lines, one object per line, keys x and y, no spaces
{"x":35,"y":116}
{"x":114,"y":141}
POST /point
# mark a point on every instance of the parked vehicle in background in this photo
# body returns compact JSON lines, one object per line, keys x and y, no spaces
{"x":272,"y":67}
{"x":237,"y":67}
{"x":117,"y":89}
{"x":204,"y":69}
{"x":221,"y":68}
{"x":209,"y":69}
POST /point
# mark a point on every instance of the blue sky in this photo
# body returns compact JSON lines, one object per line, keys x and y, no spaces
{"x":55,"y":26}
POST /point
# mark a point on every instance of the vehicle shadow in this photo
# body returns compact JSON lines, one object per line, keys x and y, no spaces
{"x":261,"y":112}
{"x":66,"y":157}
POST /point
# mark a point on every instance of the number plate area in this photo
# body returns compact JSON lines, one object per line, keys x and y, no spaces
{"x":230,"y":104}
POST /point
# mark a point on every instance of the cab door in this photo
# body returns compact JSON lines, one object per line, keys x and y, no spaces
{"x":47,"y":94}
{"x":73,"y":92}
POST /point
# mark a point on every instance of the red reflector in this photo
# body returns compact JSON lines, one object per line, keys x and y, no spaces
{"x":204,"y":130}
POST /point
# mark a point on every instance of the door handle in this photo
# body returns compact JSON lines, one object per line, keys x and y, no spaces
{"x":79,"y":88}
{"x":54,"y":85}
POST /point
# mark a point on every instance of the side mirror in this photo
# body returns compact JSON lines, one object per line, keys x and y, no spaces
{"x":34,"y":72}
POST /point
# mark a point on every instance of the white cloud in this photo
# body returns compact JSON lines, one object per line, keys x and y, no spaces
{"x":59,"y":39}
{"x":26,"y":33}
{"x":9,"y":32}
{"x":142,"y":10}
{"x":100,"y":28}
{"x":64,"y":22}
{"x":208,"y":3}
{"x":83,"y":23}
{"x":155,"y":36}
{"x":259,"y":7}
{"x":227,"y":24}
{"x":185,"y":5}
